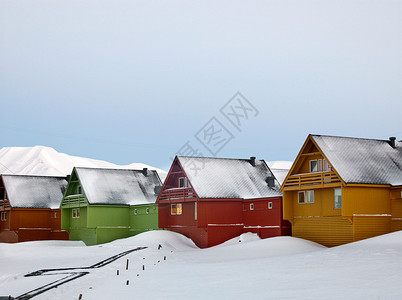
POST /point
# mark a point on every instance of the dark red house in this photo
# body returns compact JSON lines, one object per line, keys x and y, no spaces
{"x":29,"y":208}
{"x":211,"y":200}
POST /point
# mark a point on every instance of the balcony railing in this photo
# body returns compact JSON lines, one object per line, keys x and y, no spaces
{"x":176,"y":194}
{"x":4,"y":204}
{"x":73,"y":200}
{"x":320,"y":179}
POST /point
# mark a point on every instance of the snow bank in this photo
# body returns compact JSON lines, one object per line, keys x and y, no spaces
{"x":167,"y":239}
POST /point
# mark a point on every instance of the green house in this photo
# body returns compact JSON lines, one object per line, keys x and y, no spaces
{"x":102,"y":205}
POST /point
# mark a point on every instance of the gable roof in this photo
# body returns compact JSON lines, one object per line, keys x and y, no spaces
{"x":118,"y":186}
{"x":363,"y":161}
{"x":229,"y":178}
{"x":28,"y":191}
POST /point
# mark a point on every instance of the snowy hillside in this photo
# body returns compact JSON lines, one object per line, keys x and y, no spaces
{"x":242,"y":268}
{"x":40,"y":160}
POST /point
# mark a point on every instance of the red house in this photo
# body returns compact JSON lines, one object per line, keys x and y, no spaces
{"x":29,"y":208}
{"x":211,"y":200}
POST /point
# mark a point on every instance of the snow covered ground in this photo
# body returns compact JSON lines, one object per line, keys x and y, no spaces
{"x":275,"y":268}
{"x":41,"y":160}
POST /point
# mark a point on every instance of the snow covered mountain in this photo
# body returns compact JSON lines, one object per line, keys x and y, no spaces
{"x":41,"y":160}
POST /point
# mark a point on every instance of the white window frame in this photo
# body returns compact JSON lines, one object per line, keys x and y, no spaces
{"x":270,"y":205}
{"x":336,"y":203}
{"x":75,"y":213}
{"x":147,"y":210}
{"x":251,"y":206}
{"x":319,"y":163}
{"x":135,"y":211}
{"x":195,"y":211}
{"x":3,"y":216}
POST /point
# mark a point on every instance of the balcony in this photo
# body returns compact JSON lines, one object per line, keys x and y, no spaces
{"x":74,"y":200}
{"x":4,"y":204}
{"x":182,"y":194}
{"x":311,"y":180}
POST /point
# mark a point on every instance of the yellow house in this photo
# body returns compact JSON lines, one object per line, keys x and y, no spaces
{"x":341,"y":190}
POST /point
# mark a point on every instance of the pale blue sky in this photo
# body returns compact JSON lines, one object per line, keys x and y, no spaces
{"x":133,"y":81}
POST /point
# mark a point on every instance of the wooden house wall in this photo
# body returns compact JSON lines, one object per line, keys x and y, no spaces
{"x":29,"y":218}
{"x":264,"y":221}
{"x":5,"y":225}
{"x":323,"y":204}
{"x":25,"y":224}
{"x":396,"y":209}
{"x":166,"y":219}
{"x":365,"y":200}
{"x":220,"y":211}
{"x":143,"y":221}
{"x":328,"y":231}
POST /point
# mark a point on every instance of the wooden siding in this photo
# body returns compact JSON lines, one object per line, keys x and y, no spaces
{"x":26,"y":224}
{"x":365,"y":200}
{"x":223,"y":211}
{"x":323,"y":204}
{"x":369,"y":226}
{"x":328,"y":231}
{"x":396,"y":209}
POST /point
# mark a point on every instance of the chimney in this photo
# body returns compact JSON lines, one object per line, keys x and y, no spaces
{"x":145,"y":171}
{"x":270,"y":180}
{"x":252,"y":161}
{"x":392,"y":141}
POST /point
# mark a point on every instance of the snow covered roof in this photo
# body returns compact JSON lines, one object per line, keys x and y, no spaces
{"x":229,"y":178}
{"x":27,"y":191}
{"x":118,"y":186}
{"x":365,"y":161}
{"x":280,"y":169}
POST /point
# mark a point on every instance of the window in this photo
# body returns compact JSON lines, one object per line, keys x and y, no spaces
{"x":183,"y":183}
{"x":251,"y":206}
{"x":79,"y":189}
{"x":135,"y":212}
{"x":337,"y":198}
{"x":195,"y":211}
{"x":55,"y":215}
{"x":269,"y":205}
{"x":3,"y":216}
{"x":75,"y":213}
{"x":320,"y":165}
{"x":313,"y":166}
{"x":300,"y":197}
{"x":306,"y":197}
{"x":327,"y":167}
{"x":147,"y":210}
{"x":176,"y":209}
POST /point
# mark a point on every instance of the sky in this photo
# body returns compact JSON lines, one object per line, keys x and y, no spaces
{"x":141,"y":81}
